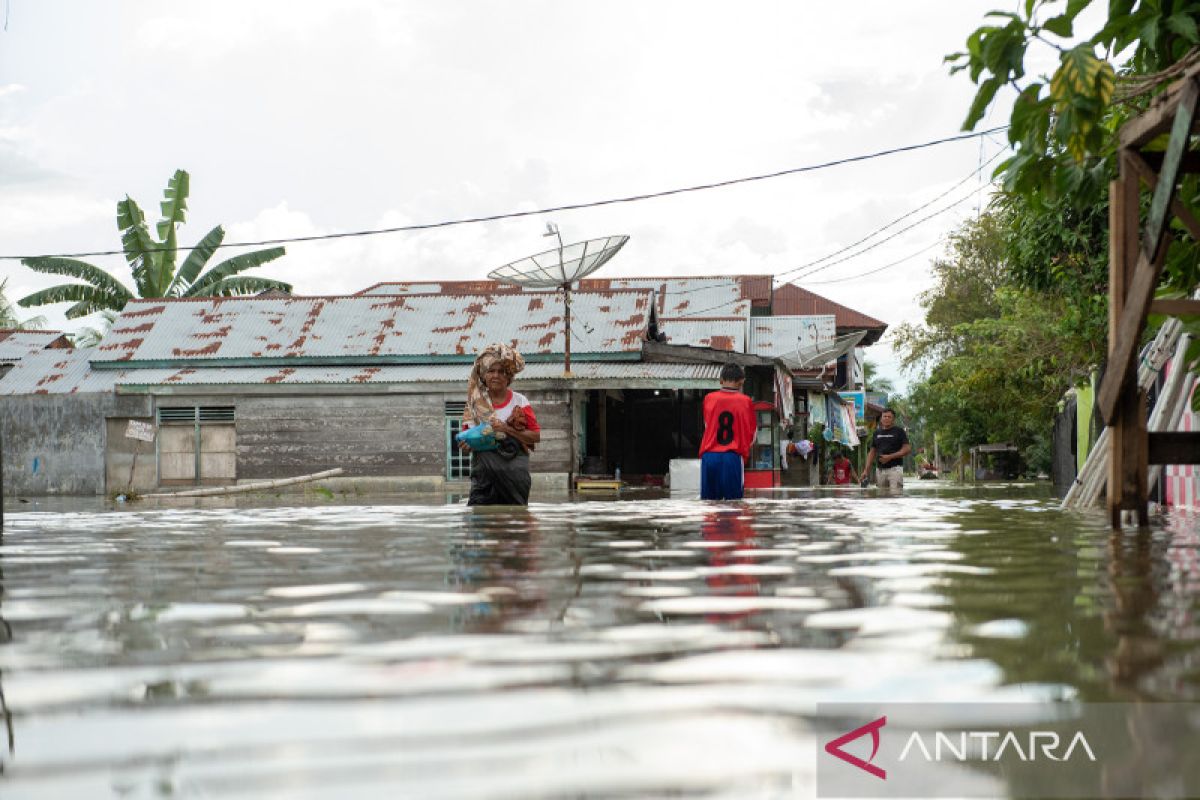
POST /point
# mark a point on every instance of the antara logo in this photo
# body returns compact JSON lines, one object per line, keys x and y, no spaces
{"x":974,"y":744}
{"x":834,"y":748}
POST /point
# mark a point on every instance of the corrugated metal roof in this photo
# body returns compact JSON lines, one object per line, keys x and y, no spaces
{"x":407,"y":373}
{"x":718,"y":296}
{"x":782,"y":336}
{"x":482,"y":286}
{"x":791,"y":300}
{"x":69,"y":373}
{"x":56,"y":372}
{"x":718,"y":333}
{"x":17,"y":344}
{"x":369,"y":326}
{"x":713,"y":296}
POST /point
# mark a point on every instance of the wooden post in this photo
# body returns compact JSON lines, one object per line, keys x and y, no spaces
{"x":1122,"y":248}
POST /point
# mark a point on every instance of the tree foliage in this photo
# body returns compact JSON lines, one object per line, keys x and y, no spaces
{"x":153,"y":263}
{"x":1063,"y":126}
{"x":998,"y":352}
{"x":8,"y":314}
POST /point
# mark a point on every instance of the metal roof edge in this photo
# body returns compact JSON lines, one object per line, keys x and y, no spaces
{"x":345,"y":361}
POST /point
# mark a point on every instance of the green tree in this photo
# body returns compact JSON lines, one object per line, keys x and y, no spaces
{"x":153,"y":261}
{"x":8,"y":314}
{"x":875,"y":382}
{"x":996,"y":351}
{"x":1063,"y":126}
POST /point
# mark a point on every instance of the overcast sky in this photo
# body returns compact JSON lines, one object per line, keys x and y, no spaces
{"x":298,"y":117}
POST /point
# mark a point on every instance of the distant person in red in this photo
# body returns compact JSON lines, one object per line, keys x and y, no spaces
{"x":729,"y":428}
{"x":843,"y":470}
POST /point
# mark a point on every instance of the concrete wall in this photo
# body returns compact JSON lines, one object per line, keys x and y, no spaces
{"x":54,"y":443}
{"x":397,"y":435}
{"x":75,"y":444}
{"x":129,"y":464}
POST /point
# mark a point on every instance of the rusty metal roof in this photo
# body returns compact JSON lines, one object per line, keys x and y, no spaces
{"x":402,"y":328}
{"x":717,"y":296}
{"x":790,"y":299}
{"x":712,"y":296}
{"x":17,"y":344}
{"x":69,"y":373}
{"x":718,"y":333}
{"x":56,"y":372}
{"x":782,"y":336}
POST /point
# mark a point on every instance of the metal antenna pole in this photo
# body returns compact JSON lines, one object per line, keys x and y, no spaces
{"x":567,"y":331}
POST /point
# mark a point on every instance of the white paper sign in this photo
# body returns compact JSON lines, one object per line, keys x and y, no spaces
{"x":136,"y":429}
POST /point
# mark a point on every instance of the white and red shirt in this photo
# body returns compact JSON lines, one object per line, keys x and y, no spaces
{"x":517,"y":400}
{"x":514,"y":401}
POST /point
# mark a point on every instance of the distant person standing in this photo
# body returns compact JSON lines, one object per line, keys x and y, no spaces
{"x":890,"y":444}
{"x":843,"y":471}
{"x":729,"y":427}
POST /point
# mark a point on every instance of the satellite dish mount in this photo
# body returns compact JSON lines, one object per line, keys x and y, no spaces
{"x":558,"y":269}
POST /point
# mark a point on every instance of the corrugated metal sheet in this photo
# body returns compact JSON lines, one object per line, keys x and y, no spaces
{"x":715,"y":296}
{"x":17,"y":344}
{"x":69,"y":373}
{"x":791,"y":300}
{"x":774,"y":337}
{"x":719,"y":333}
{"x":755,"y":288}
{"x":692,"y":297}
{"x":440,"y":287}
{"x":215,"y":329}
{"x":56,"y":372}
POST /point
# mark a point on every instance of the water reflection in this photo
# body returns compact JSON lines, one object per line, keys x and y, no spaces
{"x":622,"y":648}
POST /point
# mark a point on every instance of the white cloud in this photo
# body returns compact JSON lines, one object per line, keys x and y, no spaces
{"x":299,"y":117}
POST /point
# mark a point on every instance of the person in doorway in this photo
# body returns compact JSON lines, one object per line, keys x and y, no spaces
{"x":500,"y":476}
{"x":890,"y":445}
{"x":842,"y":470}
{"x":729,"y":428}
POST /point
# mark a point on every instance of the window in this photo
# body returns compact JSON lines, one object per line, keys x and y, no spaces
{"x":196,"y":444}
{"x":458,"y":463}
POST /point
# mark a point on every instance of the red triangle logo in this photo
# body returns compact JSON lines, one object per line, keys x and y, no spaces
{"x":834,"y":748}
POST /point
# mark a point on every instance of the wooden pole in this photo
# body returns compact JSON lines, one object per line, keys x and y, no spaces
{"x":567,"y":331}
{"x":250,"y":487}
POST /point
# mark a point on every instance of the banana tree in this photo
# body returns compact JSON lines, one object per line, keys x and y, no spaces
{"x":153,"y":262}
{"x":8,"y":314}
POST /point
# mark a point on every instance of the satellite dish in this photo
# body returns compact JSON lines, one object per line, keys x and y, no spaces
{"x":558,"y":269}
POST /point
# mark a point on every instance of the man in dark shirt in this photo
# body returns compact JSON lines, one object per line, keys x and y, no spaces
{"x":890,"y":444}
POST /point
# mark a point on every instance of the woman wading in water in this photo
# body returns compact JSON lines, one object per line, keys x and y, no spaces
{"x":500,"y":476}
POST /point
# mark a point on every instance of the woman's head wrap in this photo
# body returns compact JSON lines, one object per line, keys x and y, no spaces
{"x":479,"y":405}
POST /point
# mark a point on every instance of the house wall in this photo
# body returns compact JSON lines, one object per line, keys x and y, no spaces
{"x":366,"y":435}
{"x":129,"y":463}
{"x":74,"y":444}
{"x":54,"y":443}
{"x":394,"y":435}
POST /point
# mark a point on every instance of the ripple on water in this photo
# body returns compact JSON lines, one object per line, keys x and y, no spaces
{"x":436,"y":651}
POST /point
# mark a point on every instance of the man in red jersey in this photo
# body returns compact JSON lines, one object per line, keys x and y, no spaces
{"x":729,"y":428}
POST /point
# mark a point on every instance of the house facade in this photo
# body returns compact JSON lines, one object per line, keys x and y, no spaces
{"x":238,"y":390}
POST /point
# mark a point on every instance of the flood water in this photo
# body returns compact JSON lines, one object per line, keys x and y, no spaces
{"x":640,"y":648}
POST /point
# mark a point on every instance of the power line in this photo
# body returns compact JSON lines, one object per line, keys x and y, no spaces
{"x":552,"y":210}
{"x":898,"y":219}
{"x":873,"y":233}
{"x":877,"y":269}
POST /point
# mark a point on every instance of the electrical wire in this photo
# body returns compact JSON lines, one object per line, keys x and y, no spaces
{"x":877,"y":269}
{"x":778,"y":275}
{"x":542,"y":211}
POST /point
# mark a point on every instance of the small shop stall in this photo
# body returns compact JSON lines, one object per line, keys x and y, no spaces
{"x":763,"y":470}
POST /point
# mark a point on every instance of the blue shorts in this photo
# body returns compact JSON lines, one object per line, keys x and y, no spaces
{"x":721,"y":476}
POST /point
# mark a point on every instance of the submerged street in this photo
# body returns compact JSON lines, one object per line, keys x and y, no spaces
{"x":651,"y":647}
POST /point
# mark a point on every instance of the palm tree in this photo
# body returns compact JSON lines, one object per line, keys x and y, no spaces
{"x":8,"y":314}
{"x":153,"y":263}
{"x":875,"y":382}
